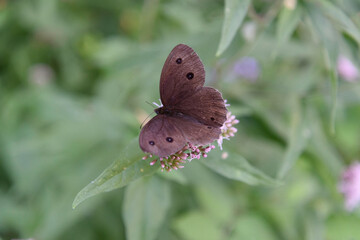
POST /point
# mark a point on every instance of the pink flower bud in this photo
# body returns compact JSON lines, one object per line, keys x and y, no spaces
{"x":347,"y":70}
{"x":350,"y":186}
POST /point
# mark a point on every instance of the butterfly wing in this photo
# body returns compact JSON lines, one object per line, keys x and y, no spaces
{"x":188,"y":96}
{"x":160,"y":136}
{"x":165,"y":135}
{"x":195,"y":132}
{"x":182,"y":75}
{"x":206,"y":106}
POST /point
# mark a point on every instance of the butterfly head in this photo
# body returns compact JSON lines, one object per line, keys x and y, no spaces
{"x":162,"y":110}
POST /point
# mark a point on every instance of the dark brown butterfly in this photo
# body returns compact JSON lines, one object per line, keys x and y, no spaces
{"x":190,"y":113}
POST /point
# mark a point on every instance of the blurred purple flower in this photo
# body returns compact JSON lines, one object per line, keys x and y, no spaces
{"x":347,"y":70}
{"x":248,"y":68}
{"x":350,"y":186}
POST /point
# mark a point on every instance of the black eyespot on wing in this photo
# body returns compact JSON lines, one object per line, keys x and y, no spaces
{"x":179,"y":61}
{"x":152,"y":143}
{"x":169,"y":139}
{"x":190,"y":75}
{"x":212,"y":119}
{"x":209,"y":127}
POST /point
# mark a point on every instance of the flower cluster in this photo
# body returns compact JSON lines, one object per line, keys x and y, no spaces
{"x":227,"y":130}
{"x":175,"y":161}
{"x":350,"y":186}
{"x":190,"y":151}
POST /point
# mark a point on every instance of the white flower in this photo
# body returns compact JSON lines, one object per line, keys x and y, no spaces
{"x":227,"y":130}
{"x":249,"y":31}
{"x":290,"y":4}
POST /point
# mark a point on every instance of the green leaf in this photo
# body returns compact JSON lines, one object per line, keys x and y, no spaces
{"x":235,"y":11}
{"x":210,"y":189}
{"x":320,"y":146}
{"x":334,"y":92}
{"x":128,"y":168}
{"x":262,"y":108}
{"x":209,"y":199}
{"x":197,"y":225}
{"x":326,"y":32}
{"x":252,"y":226}
{"x":313,"y":225}
{"x":343,"y":227}
{"x":236,"y":167}
{"x":329,"y":38}
{"x":299,"y":135}
{"x":176,"y":176}
{"x":287,"y":23}
{"x":145,"y":207}
{"x":340,"y":19}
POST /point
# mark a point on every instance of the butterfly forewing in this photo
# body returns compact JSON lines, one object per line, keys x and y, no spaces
{"x":182,"y":75}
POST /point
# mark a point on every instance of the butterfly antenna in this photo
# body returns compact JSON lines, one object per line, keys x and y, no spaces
{"x":150,"y":104}
{"x":145,"y":120}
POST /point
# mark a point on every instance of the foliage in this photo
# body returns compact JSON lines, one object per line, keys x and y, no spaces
{"x":74,"y":78}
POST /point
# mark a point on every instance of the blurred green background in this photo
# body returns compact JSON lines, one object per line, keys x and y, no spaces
{"x":74,"y":80}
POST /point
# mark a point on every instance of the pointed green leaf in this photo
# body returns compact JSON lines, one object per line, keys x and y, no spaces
{"x":235,"y":12}
{"x":340,"y":19}
{"x":329,"y":38}
{"x":342,"y":227}
{"x":287,"y":23}
{"x":320,"y":146}
{"x":334,"y":92}
{"x":236,"y":167}
{"x":145,"y":207}
{"x":176,"y":176}
{"x":252,"y":226}
{"x":128,"y":168}
{"x":299,"y":135}
{"x":196,"y":225}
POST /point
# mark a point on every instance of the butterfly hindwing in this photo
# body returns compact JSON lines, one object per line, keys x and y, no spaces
{"x":154,"y":137}
{"x":160,"y":136}
{"x":195,"y":132}
{"x":206,"y":106}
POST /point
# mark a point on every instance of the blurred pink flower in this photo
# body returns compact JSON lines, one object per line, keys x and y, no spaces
{"x":350,"y":186}
{"x":347,"y":70}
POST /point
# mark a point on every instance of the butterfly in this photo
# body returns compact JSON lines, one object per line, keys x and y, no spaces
{"x":191,"y":113}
